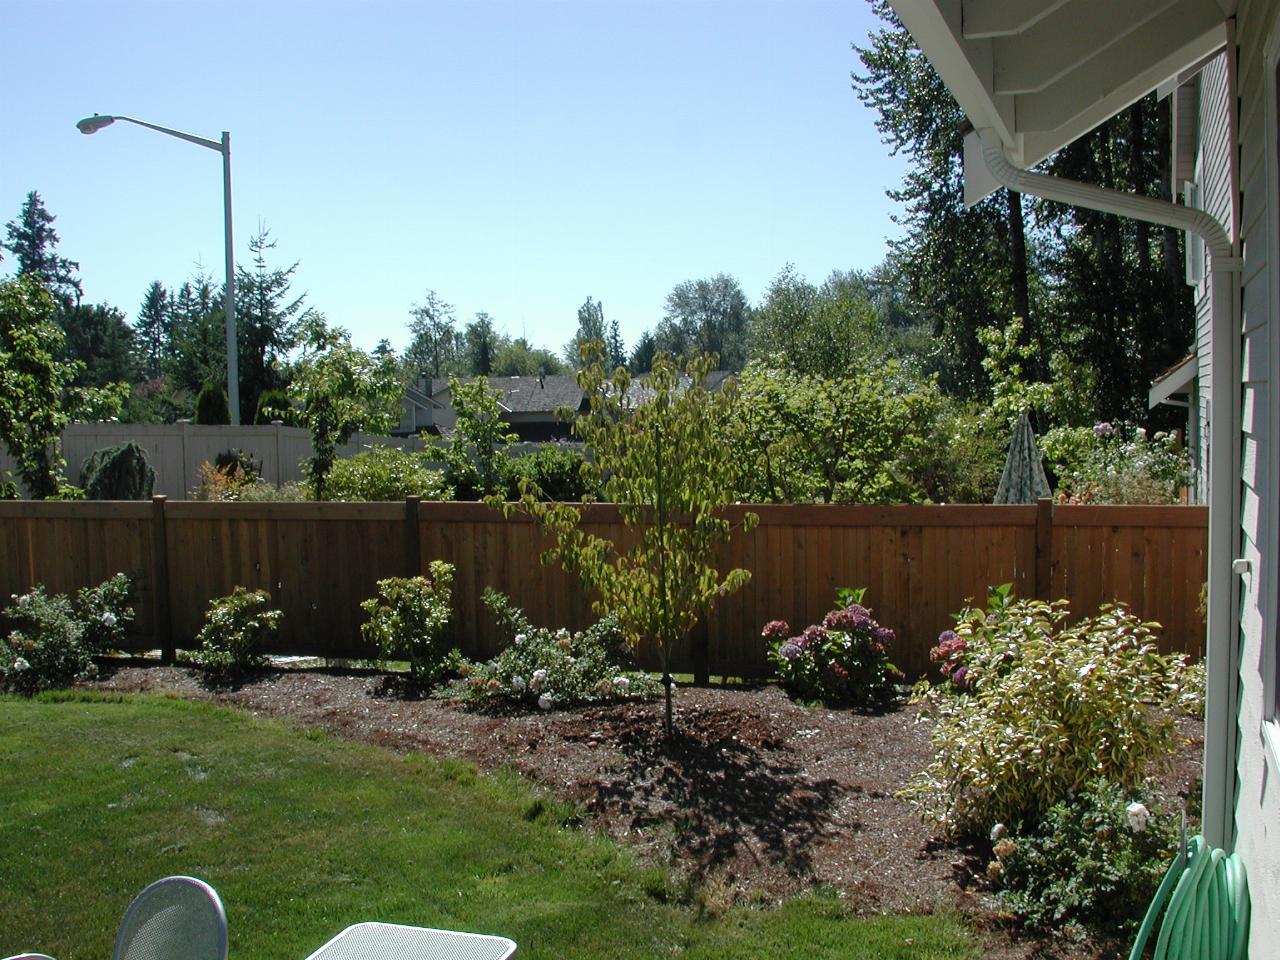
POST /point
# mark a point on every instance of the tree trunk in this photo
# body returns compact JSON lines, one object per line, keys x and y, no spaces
{"x":1018,"y":258}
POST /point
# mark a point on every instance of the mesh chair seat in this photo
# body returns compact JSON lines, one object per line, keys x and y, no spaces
{"x":177,"y":918}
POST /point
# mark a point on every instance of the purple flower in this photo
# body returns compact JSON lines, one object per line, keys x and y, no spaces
{"x":960,"y":676}
{"x":885,"y":636}
{"x":850,"y":619}
{"x":775,"y":630}
{"x":789,"y":650}
{"x":1104,"y":429}
{"x":812,"y":635}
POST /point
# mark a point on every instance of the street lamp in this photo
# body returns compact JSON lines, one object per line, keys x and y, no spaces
{"x":93,"y":125}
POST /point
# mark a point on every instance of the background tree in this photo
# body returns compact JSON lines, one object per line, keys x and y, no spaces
{"x":707,"y":316}
{"x":435,"y":346}
{"x":199,"y":336}
{"x":100,"y":339}
{"x":38,"y":396}
{"x":662,"y":460}
{"x":591,"y":328}
{"x":516,"y":358}
{"x":34,"y":244}
{"x":642,"y":354}
{"x":268,"y":317}
{"x":481,"y":345}
{"x":615,"y":346}
{"x":338,"y":390}
{"x":154,"y":327}
{"x":211,"y":406}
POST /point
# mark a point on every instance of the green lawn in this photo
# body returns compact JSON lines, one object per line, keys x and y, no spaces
{"x":303,"y":834}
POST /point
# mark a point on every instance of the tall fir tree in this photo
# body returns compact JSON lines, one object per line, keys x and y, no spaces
{"x":616,"y":346}
{"x":267,"y":320}
{"x":155,"y":328}
{"x":34,"y":244}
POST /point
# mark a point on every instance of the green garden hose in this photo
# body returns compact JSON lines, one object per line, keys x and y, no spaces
{"x":1208,"y":915}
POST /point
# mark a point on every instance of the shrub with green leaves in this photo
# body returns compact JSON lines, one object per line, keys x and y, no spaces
{"x":1096,"y":857}
{"x":555,"y":472}
{"x":385,"y":473}
{"x":118,"y":473}
{"x":43,"y":644}
{"x":1044,"y":707}
{"x":407,"y":620}
{"x":844,"y":659}
{"x":1116,"y":463}
{"x":551,"y":669}
{"x":104,"y":613}
{"x":237,"y":628}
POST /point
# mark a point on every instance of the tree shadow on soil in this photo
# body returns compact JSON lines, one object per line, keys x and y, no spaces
{"x":726,"y":783}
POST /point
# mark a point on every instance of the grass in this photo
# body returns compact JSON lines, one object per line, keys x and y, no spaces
{"x":303,"y":834}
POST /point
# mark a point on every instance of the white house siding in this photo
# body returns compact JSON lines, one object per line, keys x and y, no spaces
{"x":1214,"y":180}
{"x":1258,"y":767}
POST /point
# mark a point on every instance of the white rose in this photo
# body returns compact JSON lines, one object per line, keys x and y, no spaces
{"x":109,"y":619}
{"x":21,"y":664}
{"x":1138,"y":815}
{"x":621,"y":683}
{"x":517,"y":684}
{"x":997,"y":832}
{"x":520,"y":638}
{"x":545,"y":701}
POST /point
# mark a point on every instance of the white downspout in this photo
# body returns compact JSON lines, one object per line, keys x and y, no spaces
{"x":1224,"y":280}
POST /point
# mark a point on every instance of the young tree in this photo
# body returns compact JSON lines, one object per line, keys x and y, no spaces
{"x":658,"y":450}
{"x":434,"y":347}
{"x":155,"y":328}
{"x":476,"y":457}
{"x":617,"y":348}
{"x":338,"y":390}
{"x":642,"y":354}
{"x":34,"y":242}
{"x":37,"y":393}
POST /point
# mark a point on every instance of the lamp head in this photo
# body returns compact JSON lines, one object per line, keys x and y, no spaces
{"x":94,"y":124}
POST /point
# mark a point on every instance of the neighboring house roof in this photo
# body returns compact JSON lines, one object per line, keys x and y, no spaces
{"x":1174,"y":380}
{"x":1042,"y":73}
{"x":523,"y":394}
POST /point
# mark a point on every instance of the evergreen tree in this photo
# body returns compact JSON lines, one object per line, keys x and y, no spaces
{"x":267,"y":319}
{"x":155,"y":328}
{"x":617,"y":348}
{"x":34,"y":243}
{"x":199,"y":336}
{"x":642,"y":354}
{"x":100,"y":339}
{"x":481,"y":345}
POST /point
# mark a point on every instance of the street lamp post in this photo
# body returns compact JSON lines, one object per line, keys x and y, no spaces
{"x":93,"y":125}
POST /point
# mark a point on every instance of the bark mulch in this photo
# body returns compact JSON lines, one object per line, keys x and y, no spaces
{"x":757,"y":799}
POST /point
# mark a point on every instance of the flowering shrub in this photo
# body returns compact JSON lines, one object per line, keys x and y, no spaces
{"x":1042,"y":708}
{"x":43,"y":644}
{"x":844,"y":659}
{"x":236,"y":629}
{"x":553,"y":668}
{"x":1097,"y":856}
{"x":104,"y":613}
{"x":1116,"y":463}
{"x":407,"y":620}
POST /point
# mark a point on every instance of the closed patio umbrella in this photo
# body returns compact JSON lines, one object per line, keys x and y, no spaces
{"x":1023,"y":480}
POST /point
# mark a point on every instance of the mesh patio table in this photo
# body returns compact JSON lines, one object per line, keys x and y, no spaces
{"x":393,"y":941}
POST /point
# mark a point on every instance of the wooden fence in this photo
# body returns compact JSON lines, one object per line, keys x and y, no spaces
{"x":319,"y":560}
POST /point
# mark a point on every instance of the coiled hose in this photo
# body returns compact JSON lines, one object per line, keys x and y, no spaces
{"x":1208,"y":916}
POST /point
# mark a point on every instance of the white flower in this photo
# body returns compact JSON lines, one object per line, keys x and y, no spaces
{"x":997,"y":832}
{"x":109,"y":619}
{"x":544,"y":701}
{"x":517,"y":684}
{"x":520,"y":638}
{"x":539,"y":678}
{"x":21,"y":664}
{"x":1138,"y":815}
{"x":621,"y":683}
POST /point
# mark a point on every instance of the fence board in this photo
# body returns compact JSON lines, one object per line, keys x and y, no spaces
{"x":920,"y":564}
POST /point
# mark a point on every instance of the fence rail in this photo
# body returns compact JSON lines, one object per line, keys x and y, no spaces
{"x":319,"y":560}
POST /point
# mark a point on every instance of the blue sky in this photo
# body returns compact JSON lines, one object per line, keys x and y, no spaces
{"x":514,"y":156}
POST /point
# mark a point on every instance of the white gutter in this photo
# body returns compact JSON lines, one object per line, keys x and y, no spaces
{"x":1224,"y":283}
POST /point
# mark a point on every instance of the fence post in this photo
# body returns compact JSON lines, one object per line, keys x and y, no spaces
{"x":412,"y":536}
{"x":1044,"y":548}
{"x":160,"y":580}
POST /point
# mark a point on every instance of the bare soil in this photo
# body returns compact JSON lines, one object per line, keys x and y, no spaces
{"x":756,"y":799}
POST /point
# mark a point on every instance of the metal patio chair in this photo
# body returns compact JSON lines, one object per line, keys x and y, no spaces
{"x":177,"y":918}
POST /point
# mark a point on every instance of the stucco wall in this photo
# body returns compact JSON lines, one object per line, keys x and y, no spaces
{"x":1258,"y":767}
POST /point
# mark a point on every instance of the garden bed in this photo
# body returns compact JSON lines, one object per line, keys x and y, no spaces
{"x":756,"y":800}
